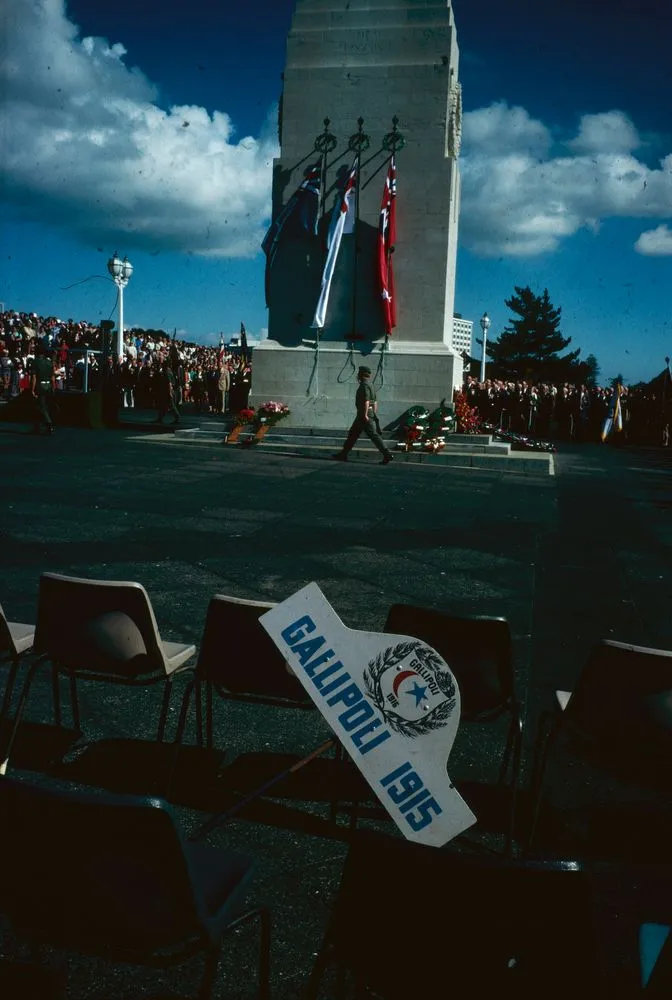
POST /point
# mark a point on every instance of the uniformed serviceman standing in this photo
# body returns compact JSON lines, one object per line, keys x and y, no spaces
{"x":366,"y":419}
{"x":165,"y":394}
{"x":42,"y":386}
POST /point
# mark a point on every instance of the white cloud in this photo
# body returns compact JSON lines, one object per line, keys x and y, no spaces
{"x":519,"y":200}
{"x":655,"y":242}
{"x":609,"y":132}
{"x":85,"y":144}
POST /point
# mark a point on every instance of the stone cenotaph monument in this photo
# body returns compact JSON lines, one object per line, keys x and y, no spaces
{"x":384,"y":73}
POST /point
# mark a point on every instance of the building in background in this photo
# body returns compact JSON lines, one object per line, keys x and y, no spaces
{"x":462,"y":334}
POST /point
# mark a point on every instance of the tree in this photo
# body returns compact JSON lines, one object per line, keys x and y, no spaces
{"x":529,"y":347}
{"x":586,"y":372}
{"x":619,"y":380}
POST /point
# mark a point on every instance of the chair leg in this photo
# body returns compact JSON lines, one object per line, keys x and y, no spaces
{"x":510,"y":744}
{"x":517,"y":754}
{"x":210,"y":973}
{"x":544,"y":745}
{"x":199,"y":713}
{"x":23,"y":698}
{"x":9,"y":689}
{"x":181,"y":725}
{"x":56,"y":695}
{"x":208,"y":714}
{"x":165,"y":705}
{"x":74,"y":704}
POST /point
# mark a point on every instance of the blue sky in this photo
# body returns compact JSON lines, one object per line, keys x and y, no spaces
{"x":149,"y":128}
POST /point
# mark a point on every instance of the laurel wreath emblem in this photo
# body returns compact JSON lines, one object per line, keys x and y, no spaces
{"x":444,"y":680}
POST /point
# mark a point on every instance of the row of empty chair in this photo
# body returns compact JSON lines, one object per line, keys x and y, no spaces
{"x":184,"y":896}
{"x":622,"y":701}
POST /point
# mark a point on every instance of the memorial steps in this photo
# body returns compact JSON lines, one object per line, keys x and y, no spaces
{"x":475,"y":451}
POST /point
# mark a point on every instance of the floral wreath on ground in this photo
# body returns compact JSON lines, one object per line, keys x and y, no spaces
{"x":270,"y":413}
{"x":414,"y":428}
{"x":519,"y":442}
{"x":244,"y":417}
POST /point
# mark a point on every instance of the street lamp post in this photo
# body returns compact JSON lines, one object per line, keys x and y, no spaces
{"x":121,"y":271}
{"x":485,"y":326}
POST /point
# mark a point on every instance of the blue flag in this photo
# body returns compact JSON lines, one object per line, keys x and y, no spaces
{"x":301,"y":211}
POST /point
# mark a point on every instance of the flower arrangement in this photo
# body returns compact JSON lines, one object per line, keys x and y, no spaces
{"x":434,"y":444}
{"x":414,"y":428}
{"x":441,"y":421}
{"x":270,"y":413}
{"x":244,"y":416}
{"x":466,"y":417}
{"x":518,"y":442}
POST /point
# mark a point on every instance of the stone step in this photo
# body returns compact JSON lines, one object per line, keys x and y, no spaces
{"x":455,"y":443}
{"x":521,"y":463}
{"x":526,"y":463}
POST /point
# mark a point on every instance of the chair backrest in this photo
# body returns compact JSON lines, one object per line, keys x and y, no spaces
{"x":415,"y":921}
{"x":239,"y":656}
{"x":89,"y":870}
{"x":7,"y":646}
{"x":477,"y":650}
{"x":100,"y":625}
{"x":624,"y":695}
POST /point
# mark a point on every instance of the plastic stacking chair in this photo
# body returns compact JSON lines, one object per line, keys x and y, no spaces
{"x":478,"y":651}
{"x":239,"y":662}
{"x":112,"y":876}
{"x":416,"y":921}
{"x":99,"y":630}
{"x":622,"y":706}
{"x":16,"y":639}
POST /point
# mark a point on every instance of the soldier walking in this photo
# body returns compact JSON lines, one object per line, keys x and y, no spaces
{"x":42,"y":385}
{"x":165,"y":393}
{"x":366,"y":419}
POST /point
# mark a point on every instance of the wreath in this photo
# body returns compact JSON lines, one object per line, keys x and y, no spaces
{"x":444,"y":680}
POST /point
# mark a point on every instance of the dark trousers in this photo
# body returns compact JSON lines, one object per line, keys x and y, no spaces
{"x":167,"y":405}
{"x":43,"y":407}
{"x":369,"y":427}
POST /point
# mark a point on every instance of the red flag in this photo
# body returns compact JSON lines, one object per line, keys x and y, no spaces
{"x":387,"y":237}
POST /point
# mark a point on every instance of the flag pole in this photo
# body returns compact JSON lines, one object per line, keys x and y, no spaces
{"x":392,"y":141}
{"x":358,"y":143}
{"x":324,"y":144}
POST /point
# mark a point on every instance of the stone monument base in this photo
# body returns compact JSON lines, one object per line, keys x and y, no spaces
{"x":319,"y":384}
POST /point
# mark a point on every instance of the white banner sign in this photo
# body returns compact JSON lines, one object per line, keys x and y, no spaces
{"x":393,"y":703}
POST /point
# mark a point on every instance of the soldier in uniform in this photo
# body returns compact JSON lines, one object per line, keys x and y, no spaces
{"x":42,"y":386}
{"x":366,"y":419}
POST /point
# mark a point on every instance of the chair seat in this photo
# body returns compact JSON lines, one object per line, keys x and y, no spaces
{"x":177,"y":653}
{"x":22,"y":636}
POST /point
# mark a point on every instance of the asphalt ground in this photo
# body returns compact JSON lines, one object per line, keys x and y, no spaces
{"x":568,"y":560}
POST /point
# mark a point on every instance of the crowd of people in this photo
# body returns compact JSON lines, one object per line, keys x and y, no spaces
{"x":158,"y":370}
{"x":572,"y":412}
{"x":215,"y":379}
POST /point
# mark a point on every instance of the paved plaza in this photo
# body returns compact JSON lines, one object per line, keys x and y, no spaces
{"x":568,"y":559}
